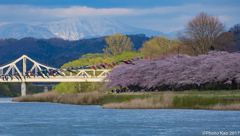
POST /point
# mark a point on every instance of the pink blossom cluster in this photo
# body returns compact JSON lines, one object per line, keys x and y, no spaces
{"x":174,"y":70}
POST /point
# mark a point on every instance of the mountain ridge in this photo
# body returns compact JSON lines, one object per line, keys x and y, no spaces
{"x":56,"y":51}
{"x":73,"y":29}
{"x":16,"y":31}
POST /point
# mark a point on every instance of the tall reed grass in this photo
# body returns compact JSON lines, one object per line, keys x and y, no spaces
{"x":55,"y":97}
{"x":173,"y":101}
{"x":82,"y":99}
{"x":160,"y":102}
{"x":166,"y":100}
{"x":39,"y":97}
{"x":232,"y":106}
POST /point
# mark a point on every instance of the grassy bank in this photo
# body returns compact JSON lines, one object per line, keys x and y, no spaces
{"x":216,"y":100}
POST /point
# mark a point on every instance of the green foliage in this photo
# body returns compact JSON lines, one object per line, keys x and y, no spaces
{"x":158,"y":45}
{"x":127,"y":55}
{"x":191,"y":101}
{"x":65,"y":87}
{"x":94,"y":59}
{"x":5,"y":91}
{"x":91,"y":55}
{"x":32,"y":89}
{"x":78,"y":87}
{"x":14,"y":89}
{"x":110,"y":98}
{"x":117,"y":44}
{"x":89,"y":59}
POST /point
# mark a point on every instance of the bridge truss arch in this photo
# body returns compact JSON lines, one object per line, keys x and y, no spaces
{"x":83,"y":75}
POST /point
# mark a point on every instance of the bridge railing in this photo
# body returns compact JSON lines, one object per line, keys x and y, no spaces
{"x":95,"y":73}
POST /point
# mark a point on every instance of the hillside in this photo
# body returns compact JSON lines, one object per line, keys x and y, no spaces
{"x":55,"y":51}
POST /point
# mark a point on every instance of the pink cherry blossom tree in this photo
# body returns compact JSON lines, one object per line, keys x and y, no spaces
{"x":174,"y":70}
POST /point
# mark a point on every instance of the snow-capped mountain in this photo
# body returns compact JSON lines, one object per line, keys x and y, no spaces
{"x":73,"y":29}
{"x":19,"y":31}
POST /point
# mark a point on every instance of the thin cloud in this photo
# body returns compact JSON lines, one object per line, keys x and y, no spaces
{"x":78,"y":11}
{"x":74,"y":11}
{"x":164,"y":18}
{"x":4,"y":23}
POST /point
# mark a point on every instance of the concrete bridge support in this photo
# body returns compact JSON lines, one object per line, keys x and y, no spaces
{"x":23,"y":88}
{"x":45,"y":89}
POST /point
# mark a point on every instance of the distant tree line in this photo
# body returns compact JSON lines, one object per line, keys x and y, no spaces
{"x":235,"y":29}
{"x":14,"y":89}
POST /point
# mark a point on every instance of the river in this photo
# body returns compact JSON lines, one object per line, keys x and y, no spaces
{"x":46,"y":119}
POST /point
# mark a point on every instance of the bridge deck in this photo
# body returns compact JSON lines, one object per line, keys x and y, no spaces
{"x":58,"y":79}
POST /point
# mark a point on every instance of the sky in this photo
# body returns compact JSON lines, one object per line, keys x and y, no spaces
{"x":161,"y":15}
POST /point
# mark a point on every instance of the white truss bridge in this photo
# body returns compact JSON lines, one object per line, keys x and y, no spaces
{"x":83,"y":75}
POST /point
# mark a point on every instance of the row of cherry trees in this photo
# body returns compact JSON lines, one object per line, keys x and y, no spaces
{"x":173,"y":70}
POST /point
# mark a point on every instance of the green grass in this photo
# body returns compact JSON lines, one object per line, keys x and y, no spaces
{"x":193,"y":99}
{"x":118,"y":98}
{"x":190,"y":102}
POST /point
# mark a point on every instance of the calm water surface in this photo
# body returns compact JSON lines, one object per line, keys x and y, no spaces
{"x":41,"y":119}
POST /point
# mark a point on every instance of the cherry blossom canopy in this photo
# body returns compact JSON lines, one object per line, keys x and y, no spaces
{"x":177,"y":70}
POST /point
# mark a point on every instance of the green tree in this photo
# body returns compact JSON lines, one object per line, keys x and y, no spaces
{"x":5,"y":91}
{"x":95,"y":61}
{"x":127,"y":55}
{"x":77,"y":87}
{"x":66,"y":87}
{"x":89,"y":59}
{"x":117,"y":44}
{"x":158,"y":45}
{"x":32,"y":89}
{"x":15,"y":88}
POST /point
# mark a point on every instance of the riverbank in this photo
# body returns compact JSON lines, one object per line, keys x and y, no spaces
{"x":211,"y":100}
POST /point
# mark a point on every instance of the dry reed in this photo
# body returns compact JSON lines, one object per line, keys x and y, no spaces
{"x":232,"y":106}
{"x":42,"y":97}
{"x":164,"y":102}
{"x":82,"y":99}
{"x":77,"y":99}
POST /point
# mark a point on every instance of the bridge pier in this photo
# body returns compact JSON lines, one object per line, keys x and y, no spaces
{"x":45,"y":89}
{"x":23,"y":88}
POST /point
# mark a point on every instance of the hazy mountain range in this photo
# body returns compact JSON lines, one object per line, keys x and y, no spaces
{"x":74,"y":29}
{"x":56,"y":51}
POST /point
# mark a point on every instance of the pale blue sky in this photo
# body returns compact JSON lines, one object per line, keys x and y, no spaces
{"x":161,"y":15}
